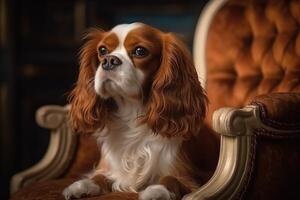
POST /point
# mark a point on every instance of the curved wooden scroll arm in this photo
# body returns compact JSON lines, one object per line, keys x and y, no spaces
{"x":237,"y":130}
{"x":60,"y":150}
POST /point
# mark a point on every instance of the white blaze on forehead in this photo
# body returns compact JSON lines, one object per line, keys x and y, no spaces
{"x":122,"y":31}
{"x":129,"y":78}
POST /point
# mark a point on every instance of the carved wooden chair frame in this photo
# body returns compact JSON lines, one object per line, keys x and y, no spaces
{"x":235,"y":126}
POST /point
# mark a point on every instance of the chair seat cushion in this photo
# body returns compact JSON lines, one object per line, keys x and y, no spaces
{"x":52,"y":190}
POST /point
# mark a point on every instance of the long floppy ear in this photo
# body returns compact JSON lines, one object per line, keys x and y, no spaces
{"x":177,"y":103}
{"x":88,"y":111}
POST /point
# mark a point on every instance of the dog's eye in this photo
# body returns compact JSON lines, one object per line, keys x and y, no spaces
{"x":140,"y":51}
{"x":102,"y":50}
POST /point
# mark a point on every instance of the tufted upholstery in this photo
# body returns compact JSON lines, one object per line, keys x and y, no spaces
{"x":253,"y":48}
{"x":253,"y":55}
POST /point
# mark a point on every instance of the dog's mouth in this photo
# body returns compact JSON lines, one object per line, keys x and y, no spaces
{"x":107,"y":88}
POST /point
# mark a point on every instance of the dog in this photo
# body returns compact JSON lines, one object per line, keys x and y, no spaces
{"x":138,"y":93}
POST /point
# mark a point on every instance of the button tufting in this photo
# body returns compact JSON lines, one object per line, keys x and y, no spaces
{"x":260,"y":41}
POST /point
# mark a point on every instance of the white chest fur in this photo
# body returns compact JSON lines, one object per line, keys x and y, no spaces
{"x":134,"y":155}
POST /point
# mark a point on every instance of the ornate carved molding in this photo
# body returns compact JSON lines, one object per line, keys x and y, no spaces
{"x":60,"y":150}
{"x":234,"y":122}
{"x":236,"y":152}
{"x":51,"y":116}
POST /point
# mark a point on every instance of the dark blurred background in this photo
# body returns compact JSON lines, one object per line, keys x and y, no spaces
{"x":39,"y":41}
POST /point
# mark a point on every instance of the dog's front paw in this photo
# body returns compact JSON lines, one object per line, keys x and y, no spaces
{"x":156,"y":192}
{"x":81,"y":188}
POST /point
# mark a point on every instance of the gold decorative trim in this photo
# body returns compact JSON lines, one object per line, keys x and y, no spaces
{"x":60,"y":150}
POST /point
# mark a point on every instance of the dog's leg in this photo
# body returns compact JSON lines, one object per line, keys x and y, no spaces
{"x":175,"y":186}
{"x":169,"y":188}
{"x":94,"y":186}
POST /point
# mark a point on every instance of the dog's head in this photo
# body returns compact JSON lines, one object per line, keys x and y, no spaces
{"x":136,"y":62}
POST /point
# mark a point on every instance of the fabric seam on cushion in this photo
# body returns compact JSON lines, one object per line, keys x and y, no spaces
{"x":271,"y":122}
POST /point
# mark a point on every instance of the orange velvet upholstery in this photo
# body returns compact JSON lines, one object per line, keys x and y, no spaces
{"x":52,"y":190}
{"x":253,"y":48}
{"x":85,"y":159}
{"x":253,"y":55}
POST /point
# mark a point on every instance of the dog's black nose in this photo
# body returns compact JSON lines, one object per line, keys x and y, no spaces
{"x":110,"y":62}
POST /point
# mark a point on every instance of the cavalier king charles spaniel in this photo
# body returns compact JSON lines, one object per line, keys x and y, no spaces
{"x":138,"y":93}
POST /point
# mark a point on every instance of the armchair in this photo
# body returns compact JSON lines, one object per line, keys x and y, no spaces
{"x":248,"y":58}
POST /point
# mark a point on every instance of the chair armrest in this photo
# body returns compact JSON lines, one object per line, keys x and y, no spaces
{"x":240,"y":129}
{"x":279,"y":110}
{"x":60,"y":151}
